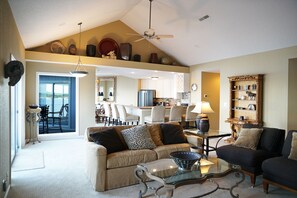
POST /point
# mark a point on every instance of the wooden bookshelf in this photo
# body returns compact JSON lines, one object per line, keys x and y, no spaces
{"x":246,"y":101}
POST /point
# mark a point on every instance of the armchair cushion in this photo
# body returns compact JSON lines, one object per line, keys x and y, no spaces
{"x":293,"y":153}
{"x":109,"y":139}
{"x":172,"y":133}
{"x":248,"y":138}
{"x":272,"y":140}
{"x":138,"y":137}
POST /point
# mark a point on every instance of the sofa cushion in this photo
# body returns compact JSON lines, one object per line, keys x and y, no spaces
{"x":248,"y":138}
{"x":155,"y":132}
{"x":272,"y":139}
{"x":130,"y":158}
{"x":118,"y":129}
{"x":138,"y":137}
{"x":172,"y":133}
{"x":293,"y":152}
{"x":281,"y":170}
{"x":165,"y":150}
{"x":110,"y":139}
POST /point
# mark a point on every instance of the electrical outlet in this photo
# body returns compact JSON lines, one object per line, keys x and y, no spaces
{"x":4,"y":185}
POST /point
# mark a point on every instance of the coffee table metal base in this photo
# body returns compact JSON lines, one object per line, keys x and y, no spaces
{"x":141,"y":175}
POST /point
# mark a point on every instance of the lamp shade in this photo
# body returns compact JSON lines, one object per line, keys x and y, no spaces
{"x":203,"y":108}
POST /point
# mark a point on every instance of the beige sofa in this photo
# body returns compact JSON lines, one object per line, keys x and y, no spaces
{"x":114,"y":170}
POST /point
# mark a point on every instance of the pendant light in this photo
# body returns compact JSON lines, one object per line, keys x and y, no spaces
{"x":79,"y":69}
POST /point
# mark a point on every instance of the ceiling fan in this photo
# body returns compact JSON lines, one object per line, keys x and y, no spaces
{"x":150,"y":33}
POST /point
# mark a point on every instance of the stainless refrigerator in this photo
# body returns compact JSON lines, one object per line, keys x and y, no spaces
{"x":146,"y":97}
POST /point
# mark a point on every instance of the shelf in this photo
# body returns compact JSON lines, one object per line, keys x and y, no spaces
{"x":96,"y":61}
{"x":244,"y":110}
{"x":244,"y":100}
{"x":244,"y":90}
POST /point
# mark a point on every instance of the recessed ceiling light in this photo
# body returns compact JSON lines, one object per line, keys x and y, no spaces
{"x":154,"y":77}
{"x":156,"y":71}
{"x":204,"y":18}
{"x":132,"y":72}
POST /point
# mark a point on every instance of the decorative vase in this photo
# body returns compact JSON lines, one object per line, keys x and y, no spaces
{"x":198,"y":118}
{"x":126,"y":51}
{"x":154,"y":58}
{"x":137,"y":58}
{"x":91,"y":50}
{"x":204,"y":125}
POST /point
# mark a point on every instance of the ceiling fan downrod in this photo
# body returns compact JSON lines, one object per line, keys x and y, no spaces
{"x":150,"y":14}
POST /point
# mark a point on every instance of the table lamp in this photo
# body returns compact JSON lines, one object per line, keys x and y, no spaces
{"x":202,"y":121}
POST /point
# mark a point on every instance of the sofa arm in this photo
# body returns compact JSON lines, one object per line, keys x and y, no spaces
{"x":194,"y":140}
{"x":96,"y":156}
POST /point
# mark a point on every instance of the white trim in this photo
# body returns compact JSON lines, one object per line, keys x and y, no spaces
{"x":7,"y":191}
{"x":60,"y":135}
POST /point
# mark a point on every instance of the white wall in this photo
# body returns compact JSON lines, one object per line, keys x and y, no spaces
{"x":274,"y":66}
{"x":126,"y":91}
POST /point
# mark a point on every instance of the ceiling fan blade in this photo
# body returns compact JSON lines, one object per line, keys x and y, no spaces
{"x":164,"y":36}
{"x":133,"y":34}
{"x":139,"y":40}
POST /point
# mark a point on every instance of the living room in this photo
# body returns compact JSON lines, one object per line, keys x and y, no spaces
{"x":278,"y":64}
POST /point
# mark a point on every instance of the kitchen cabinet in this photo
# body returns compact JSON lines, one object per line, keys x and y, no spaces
{"x":164,"y":87}
{"x":182,"y":82}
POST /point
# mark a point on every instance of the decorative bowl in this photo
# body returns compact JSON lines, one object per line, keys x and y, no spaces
{"x":33,"y":106}
{"x":185,"y":159}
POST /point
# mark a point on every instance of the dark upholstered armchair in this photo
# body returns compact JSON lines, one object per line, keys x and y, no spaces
{"x":270,"y":145}
{"x":281,"y":171}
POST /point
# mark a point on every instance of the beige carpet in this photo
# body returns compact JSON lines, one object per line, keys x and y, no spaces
{"x":28,"y":160}
{"x":64,"y":176}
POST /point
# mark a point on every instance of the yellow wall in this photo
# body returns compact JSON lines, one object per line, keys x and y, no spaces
{"x":274,"y":66}
{"x":116,"y":30}
{"x":292,"y":98}
{"x":86,"y":105}
{"x":10,"y":43}
{"x":210,"y":92}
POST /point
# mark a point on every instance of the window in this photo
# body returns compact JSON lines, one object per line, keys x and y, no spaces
{"x":58,"y":94}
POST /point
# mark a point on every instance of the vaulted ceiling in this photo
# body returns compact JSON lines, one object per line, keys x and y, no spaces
{"x":234,"y":27}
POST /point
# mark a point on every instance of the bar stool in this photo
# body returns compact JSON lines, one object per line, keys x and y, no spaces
{"x":125,"y":117}
{"x":108,"y":115}
{"x":190,"y":116}
{"x":175,"y":114}
{"x":115,"y":114}
{"x":157,"y":115}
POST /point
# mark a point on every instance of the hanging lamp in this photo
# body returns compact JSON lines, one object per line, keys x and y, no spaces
{"x":79,"y":69}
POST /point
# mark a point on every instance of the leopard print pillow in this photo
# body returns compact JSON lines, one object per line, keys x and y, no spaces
{"x":138,"y":137}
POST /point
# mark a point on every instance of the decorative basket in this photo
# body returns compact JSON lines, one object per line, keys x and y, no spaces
{"x":185,"y":159}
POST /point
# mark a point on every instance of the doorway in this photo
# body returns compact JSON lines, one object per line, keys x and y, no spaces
{"x":57,"y":99}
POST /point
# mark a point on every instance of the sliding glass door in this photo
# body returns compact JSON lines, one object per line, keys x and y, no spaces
{"x":57,"y":100}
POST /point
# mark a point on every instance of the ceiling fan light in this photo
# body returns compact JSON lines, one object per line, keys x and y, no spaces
{"x":78,"y":74}
{"x":79,"y":71}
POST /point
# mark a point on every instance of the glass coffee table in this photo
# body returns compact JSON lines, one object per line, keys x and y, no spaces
{"x":167,"y":173}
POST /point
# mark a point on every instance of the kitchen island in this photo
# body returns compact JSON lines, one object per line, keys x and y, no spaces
{"x":146,"y":111}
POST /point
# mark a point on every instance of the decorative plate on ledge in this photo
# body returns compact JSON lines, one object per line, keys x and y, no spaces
{"x":106,"y":45}
{"x":57,"y":47}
